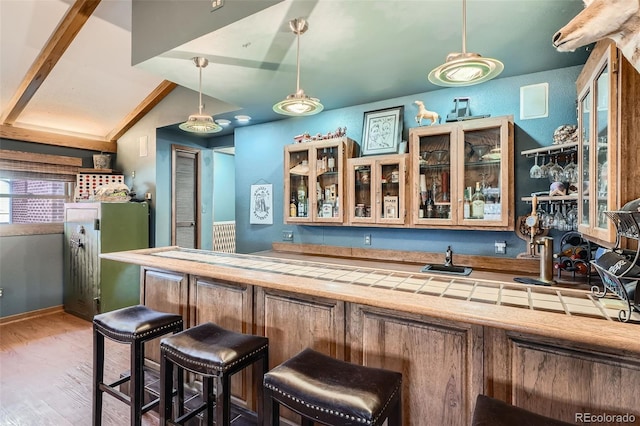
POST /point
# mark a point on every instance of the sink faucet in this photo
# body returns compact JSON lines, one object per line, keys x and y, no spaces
{"x":448,"y":257}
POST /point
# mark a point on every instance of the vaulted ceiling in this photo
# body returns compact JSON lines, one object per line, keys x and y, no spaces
{"x":67,"y":73}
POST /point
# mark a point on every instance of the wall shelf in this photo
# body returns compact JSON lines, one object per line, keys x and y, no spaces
{"x":552,"y":149}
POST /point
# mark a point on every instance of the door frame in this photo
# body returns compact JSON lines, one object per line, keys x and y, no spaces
{"x":175,"y":149}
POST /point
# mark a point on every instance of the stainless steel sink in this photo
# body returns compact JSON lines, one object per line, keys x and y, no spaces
{"x":449,"y":270}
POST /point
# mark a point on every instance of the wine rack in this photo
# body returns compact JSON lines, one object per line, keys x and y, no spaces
{"x":621,"y":272}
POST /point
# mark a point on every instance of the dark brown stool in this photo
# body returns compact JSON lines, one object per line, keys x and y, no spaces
{"x":134,"y":326}
{"x":332,"y":392}
{"x":214,"y":353}
{"x":493,"y":412}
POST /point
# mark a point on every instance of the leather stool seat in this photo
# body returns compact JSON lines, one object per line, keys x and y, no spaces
{"x":493,"y":412}
{"x":213,"y":352}
{"x":333,"y":392}
{"x":134,"y":326}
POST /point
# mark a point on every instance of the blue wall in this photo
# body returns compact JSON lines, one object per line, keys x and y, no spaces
{"x":31,"y":273}
{"x":224,"y":187}
{"x":259,"y":155}
{"x":162,"y":210}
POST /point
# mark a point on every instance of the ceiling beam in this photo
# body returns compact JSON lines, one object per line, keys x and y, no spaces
{"x":58,"y":43}
{"x":147,"y":104}
{"x":49,"y":138}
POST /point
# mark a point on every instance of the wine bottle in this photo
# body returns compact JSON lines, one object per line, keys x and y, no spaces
{"x":467,"y":203}
{"x":302,"y":198}
{"x":421,"y":209}
{"x":431,"y":206}
{"x":477,"y":203}
{"x":293,"y":206}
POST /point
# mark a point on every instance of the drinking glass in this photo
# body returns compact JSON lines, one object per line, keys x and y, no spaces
{"x":439,"y":155}
{"x":559,"y":219}
{"x":535,"y":172}
{"x":571,"y":171}
{"x":544,"y":169}
{"x":546,"y":218}
{"x":481,"y":150}
{"x":556,"y":172}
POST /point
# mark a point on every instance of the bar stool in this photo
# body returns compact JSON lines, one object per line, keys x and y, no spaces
{"x":332,"y":392}
{"x":134,"y":326}
{"x":214,"y":353}
{"x":493,"y":412}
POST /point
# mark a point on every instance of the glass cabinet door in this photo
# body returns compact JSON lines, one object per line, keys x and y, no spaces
{"x":297,"y":183}
{"x":327,"y":185}
{"x":601,"y":153}
{"x":584,"y":107}
{"x":361,"y":199}
{"x":481,"y":189}
{"x":432,"y":197}
{"x":390,"y":183}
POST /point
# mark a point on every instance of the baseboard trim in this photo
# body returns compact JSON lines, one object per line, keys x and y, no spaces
{"x":31,"y":314}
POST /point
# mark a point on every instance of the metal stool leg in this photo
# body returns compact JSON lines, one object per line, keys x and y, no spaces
{"x":223,"y":400}
{"x":260,"y":368}
{"x":98,"y":376}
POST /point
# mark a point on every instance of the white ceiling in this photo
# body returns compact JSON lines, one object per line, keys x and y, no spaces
{"x":355,"y":51}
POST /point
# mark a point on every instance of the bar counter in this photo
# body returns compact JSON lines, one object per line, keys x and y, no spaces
{"x":555,"y":351}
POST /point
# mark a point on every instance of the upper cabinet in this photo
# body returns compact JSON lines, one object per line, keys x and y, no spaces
{"x":376,"y":192}
{"x":314,"y":180}
{"x":608,"y":91}
{"x":461,"y":175}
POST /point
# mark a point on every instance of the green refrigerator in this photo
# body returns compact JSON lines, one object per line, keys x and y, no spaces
{"x":93,"y":285}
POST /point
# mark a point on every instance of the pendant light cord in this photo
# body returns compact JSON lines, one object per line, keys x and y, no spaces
{"x":464,"y":26}
{"x":298,"y":62}
{"x":200,"y":91}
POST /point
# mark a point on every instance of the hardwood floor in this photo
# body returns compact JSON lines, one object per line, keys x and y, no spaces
{"x":46,"y":371}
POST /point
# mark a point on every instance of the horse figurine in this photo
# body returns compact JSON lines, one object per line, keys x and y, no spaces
{"x":423,"y":113}
{"x":618,"y":20}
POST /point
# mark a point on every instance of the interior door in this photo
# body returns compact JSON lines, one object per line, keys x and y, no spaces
{"x":185,"y":199}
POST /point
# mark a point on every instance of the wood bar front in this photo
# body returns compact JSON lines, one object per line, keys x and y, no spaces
{"x":557,"y":352}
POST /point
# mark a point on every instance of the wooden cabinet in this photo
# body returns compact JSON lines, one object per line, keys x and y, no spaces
{"x":314,"y":181}
{"x":233,"y":310}
{"x":440,"y":383}
{"x":377,"y":190}
{"x":448,"y":163}
{"x":608,"y":115}
{"x":164,"y":292}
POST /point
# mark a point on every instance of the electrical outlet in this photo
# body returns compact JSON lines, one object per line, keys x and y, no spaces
{"x":367,"y":239}
{"x":501,"y":247}
{"x":1,"y":291}
{"x":287,"y":235}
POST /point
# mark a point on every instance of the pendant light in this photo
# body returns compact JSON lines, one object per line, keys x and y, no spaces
{"x":298,"y":103}
{"x":465,"y":69}
{"x":200,"y":123}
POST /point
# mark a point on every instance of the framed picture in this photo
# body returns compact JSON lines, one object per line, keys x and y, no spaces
{"x":261,"y":204}
{"x":382,"y":131}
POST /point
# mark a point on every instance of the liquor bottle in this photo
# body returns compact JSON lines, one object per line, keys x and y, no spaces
{"x":293,"y":206}
{"x":422,"y":209}
{"x":477,"y":203}
{"x":331,"y":161}
{"x":431,"y":205}
{"x":323,"y":161}
{"x":466,"y":209}
{"x":302,"y":198}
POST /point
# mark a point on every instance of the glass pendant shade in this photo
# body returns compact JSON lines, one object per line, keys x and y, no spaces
{"x":299,"y":103}
{"x":200,"y":123}
{"x":462,"y":68}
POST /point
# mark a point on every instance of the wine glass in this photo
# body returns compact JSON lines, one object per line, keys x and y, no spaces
{"x":535,"y":172}
{"x":439,"y":155}
{"x":544,"y":169}
{"x":556,"y":172}
{"x":571,"y":171}
{"x":481,"y":150}
{"x":559,"y":219}
{"x":425,"y":157}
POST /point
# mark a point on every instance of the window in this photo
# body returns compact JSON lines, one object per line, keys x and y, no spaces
{"x":31,"y":201}
{"x":33,"y":190}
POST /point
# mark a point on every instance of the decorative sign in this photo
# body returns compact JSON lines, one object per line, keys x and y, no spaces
{"x":261,"y":211}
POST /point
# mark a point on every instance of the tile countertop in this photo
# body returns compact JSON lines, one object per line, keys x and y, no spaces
{"x":552,"y":312}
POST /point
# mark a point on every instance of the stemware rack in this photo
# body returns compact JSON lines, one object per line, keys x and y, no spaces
{"x":624,"y":281}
